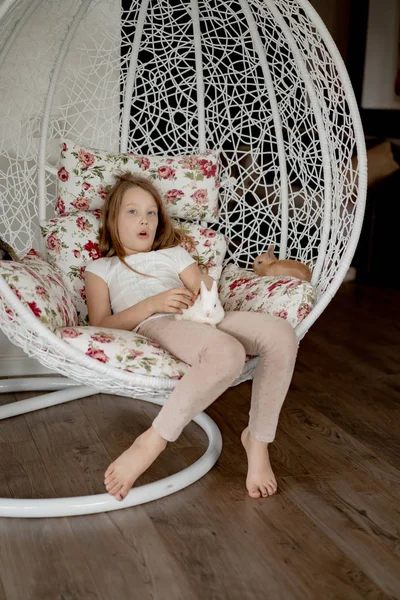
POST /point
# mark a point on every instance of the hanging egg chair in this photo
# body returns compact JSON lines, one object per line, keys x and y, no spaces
{"x":259,"y":81}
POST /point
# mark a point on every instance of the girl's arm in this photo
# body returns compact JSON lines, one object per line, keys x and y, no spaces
{"x":192,"y":277}
{"x":99,"y":307}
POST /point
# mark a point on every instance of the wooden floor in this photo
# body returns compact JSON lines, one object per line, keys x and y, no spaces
{"x":331,"y":532}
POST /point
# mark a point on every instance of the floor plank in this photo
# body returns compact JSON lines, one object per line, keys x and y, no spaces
{"x":129,"y":558}
{"x":290,"y":560}
{"x":349,"y":527}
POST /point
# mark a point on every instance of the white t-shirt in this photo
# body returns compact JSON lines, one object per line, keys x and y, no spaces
{"x":127,"y":288}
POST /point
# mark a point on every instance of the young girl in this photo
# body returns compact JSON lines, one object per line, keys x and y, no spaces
{"x":144,"y":278}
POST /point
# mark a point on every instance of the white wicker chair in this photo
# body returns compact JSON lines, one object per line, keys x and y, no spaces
{"x":261,"y":79}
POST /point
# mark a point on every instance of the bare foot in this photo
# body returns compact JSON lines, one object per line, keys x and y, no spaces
{"x":123,"y":472}
{"x":260,"y":477}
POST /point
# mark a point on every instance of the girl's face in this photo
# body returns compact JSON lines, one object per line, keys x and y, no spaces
{"x":137,"y":220}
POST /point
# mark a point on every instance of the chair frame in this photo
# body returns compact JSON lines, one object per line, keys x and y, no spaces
{"x":341,"y":207}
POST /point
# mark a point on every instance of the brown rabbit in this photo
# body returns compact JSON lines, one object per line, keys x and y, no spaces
{"x":268,"y":264}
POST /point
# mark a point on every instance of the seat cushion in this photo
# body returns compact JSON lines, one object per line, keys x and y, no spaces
{"x":189,"y":185}
{"x":124,"y":350}
{"x":72,"y":240}
{"x":286,"y":297}
{"x":41,"y":288}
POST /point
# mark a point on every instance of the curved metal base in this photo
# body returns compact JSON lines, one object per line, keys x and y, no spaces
{"x":96,"y":503}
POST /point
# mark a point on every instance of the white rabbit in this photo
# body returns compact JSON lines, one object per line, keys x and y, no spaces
{"x":206,"y":309}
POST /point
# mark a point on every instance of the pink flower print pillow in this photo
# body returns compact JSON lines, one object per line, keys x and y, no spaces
{"x":285,"y":297}
{"x":209,"y":246}
{"x":41,"y":288}
{"x":71,"y":241}
{"x":189,"y":185}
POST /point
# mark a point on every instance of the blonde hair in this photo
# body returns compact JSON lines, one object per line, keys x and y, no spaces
{"x":167,"y":236}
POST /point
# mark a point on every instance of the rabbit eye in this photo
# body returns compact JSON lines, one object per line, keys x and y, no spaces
{"x":260,"y":262}
{"x":215,"y":306}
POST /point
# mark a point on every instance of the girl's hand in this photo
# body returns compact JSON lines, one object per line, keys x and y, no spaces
{"x":173,"y":301}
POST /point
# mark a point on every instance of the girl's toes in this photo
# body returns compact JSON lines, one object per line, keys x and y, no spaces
{"x":110,"y":470}
{"x":111,"y":485}
{"x":122,"y":494}
{"x":115,"y":489}
{"x":264,"y":491}
{"x":254,"y":492}
{"x":270,"y":489}
{"x":110,"y":482}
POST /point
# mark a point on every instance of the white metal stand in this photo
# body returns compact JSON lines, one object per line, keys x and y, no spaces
{"x":68,"y":390}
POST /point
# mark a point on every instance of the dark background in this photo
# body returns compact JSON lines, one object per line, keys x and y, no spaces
{"x":376,"y":255}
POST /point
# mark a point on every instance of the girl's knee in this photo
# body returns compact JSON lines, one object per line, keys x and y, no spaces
{"x":227,"y":355}
{"x":234,"y":354}
{"x":287,"y":332}
{"x":282,"y":334}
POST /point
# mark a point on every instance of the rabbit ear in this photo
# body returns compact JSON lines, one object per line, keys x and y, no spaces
{"x":270,"y":250}
{"x":214,"y":287}
{"x":203,"y":287}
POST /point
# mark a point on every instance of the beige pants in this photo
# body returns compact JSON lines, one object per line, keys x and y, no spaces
{"x":217,"y":356}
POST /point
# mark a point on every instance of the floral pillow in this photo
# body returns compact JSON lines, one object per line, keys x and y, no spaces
{"x":72,"y":240}
{"x":189,"y":185}
{"x":210,"y":246}
{"x":41,"y":288}
{"x":124,"y":350}
{"x":286,"y":297}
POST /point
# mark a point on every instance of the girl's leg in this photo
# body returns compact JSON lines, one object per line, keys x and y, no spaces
{"x":272,"y":339}
{"x":216,"y":360}
{"x":275,"y":342}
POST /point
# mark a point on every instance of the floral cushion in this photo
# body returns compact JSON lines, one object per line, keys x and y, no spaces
{"x":189,"y":185}
{"x":210,"y":246}
{"x":41,"y":288}
{"x":72,"y":240}
{"x":124,"y":350}
{"x":286,"y":297}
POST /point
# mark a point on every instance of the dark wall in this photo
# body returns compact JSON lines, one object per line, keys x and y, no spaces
{"x":336,"y":15}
